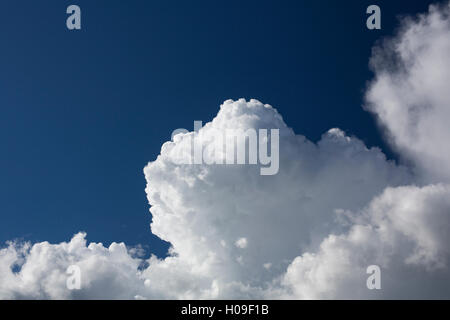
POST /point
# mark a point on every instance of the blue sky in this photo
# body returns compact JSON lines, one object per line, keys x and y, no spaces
{"x":82,"y":112}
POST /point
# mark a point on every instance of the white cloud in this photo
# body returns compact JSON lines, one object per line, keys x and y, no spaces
{"x":241,"y":243}
{"x":200,"y":209}
{"x":281,"y":216}
{"x":404,"y":231}
{"x":106,"y":272}
{"x":411,"y":96}
{"x":311,"y":230}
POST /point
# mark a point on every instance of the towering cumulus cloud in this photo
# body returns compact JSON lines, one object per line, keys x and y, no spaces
{"x":240,"y":230}
{"x":310,"y":231}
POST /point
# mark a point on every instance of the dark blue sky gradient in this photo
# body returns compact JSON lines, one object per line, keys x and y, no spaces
{"x":82,"y":112}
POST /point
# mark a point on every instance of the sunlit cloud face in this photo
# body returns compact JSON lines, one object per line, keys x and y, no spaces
{"x":308,"y":231}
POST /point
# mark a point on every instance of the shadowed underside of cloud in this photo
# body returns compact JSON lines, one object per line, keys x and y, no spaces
{"x":310,"y":231}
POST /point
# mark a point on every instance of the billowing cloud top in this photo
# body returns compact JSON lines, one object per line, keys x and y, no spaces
{"x":311,"y":230}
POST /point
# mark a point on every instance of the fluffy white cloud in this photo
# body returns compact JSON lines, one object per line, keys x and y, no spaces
{"x":232,"y":230}
{"x":411,"y":96}
{"x":310,"y":231}
{"x":110,"y":273}
{"x":404,"y":231}
{"x":206,"y":211}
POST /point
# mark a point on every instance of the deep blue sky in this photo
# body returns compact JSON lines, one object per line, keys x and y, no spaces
{"x":82,"y":112}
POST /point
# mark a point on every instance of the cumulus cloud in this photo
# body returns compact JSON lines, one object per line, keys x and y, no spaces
{"x":404,"y":231}
{"x":232,"y":230}
{"x":209,"y":213}
{"x":39,"y":271}
{"x":334,"y":207}
{"x":410,"y":94}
